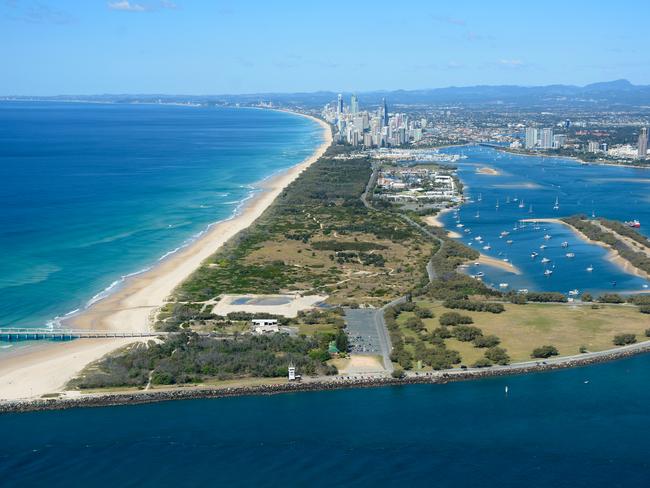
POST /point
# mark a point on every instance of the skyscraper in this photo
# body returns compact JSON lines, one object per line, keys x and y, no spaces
{"x":385,"y":112}
{"x":546,"y":139}
{"x":339,"y":105}
{"x":531,"y":137}
{"x":354,"y":105}
{"x":643,"y":143}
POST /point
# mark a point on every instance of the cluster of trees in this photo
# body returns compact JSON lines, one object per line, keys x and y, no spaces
{"x":189,"y":358}
{"x":332,"y":245}
{"x":475,"y":306}
{"x":367,"y":259}
{"x":455,"y":318}
{"x":545,"y":296}
{"x":625,"y":230}
{"x":624,"y":339}
{"x":544,"y":352}
{"x":427,"y":348}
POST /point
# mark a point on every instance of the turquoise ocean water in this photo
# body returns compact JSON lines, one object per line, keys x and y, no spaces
{"x":92,"y":193}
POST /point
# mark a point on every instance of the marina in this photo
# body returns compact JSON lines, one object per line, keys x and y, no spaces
{"x":514,"y":208}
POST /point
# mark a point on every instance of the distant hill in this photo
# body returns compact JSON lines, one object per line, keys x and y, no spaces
{"x":609,"y":93}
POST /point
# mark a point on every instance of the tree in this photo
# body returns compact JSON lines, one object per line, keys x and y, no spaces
{"x":398,"y":373}
{"x":545,"y":352}
{"x":414,"y":323}
{"x":423,"y":313}
{"x":482,"y":363}
{"x":342,"y":341}
{"x":624,"y":339}
{"x":454,"y":318}
{"x":466,"y":333}
{"x":497,"y":355}
{"x":486,"y":341}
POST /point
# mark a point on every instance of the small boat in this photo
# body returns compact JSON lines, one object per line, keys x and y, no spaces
{"x":534,"y":254}
{"x":478,"y":238}
{"x":523,"y":291}
{"x":635,"y":224}
{"x":530,"y":209}
{"x":521,"y":204}
{"x":480,"y":197}
{"x":548,"y":272}
{"x":478,"y":215}
{"x":503,"y":285}
{"x":487,"y":247}
{"x":545,"y":260}
{"x":497,"y":206}
{"x":467,"y":231}
{"x":574,"y":293}
{"x":480,"y":274}
{"x":570,"y":255}
{"x":590,"y":268}
{"x":509,"y":241}
{"x":565,"y":244}
{"x":504,"y":233}
{"x":557,"y":204}
{"x":515,"y":199}
{"x":543,"y":246}
{"x":460,"y":226}
{"x":508,"y":200}
{"x":547,"y":236}
{"x":593,"y":214}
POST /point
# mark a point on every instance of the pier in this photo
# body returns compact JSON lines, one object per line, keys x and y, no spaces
{"x":33,"y":333}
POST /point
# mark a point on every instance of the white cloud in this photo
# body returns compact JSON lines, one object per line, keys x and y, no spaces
{"x":127,"y":6}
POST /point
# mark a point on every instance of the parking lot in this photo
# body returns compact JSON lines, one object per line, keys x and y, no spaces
{"x":362,"y":331}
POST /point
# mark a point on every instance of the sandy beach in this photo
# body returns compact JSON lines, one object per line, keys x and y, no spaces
{"x":495,"y":263}
{"x":132,"y":307}
{"x":486,"y":170}
{"x":435,"y":221}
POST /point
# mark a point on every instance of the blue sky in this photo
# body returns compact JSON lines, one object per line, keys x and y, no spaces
{"x":211,"y":47}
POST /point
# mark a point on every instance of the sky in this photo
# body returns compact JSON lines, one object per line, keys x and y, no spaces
{"x":51,"y":47}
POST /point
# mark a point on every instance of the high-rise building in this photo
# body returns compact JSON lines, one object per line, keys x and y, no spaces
{"x":559,"y":140}
{"x":384,"y":112}
{"x":643,"y":143}
{"x":354,"y":105}
{"x":531,"y":137}
{"x":593,"y":147}
{"x":339,"y":105}
{"x":546,"y":138}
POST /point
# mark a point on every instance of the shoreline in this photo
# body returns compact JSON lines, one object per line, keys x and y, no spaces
{"x":141,"y":397}
{"x":131,"y":307}
{"x":613,"y":255}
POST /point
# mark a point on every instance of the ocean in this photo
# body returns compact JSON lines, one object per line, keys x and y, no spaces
{"x":92,"y":193}
{"x":527,"y":188}
{"x":583,"y":427}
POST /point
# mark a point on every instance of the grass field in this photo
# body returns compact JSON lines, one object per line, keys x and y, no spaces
{"x":522,"y":328}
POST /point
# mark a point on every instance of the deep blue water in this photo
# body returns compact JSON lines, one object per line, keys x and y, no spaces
{"x":91,"y":193}
{"x":582,"y":427}
{"x":620,"y":193}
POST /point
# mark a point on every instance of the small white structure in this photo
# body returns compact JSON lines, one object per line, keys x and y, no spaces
{"x":292,"y":373}
{"x":265,"y":326}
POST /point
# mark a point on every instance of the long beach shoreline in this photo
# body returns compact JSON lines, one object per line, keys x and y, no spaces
{"x":47,"y":369}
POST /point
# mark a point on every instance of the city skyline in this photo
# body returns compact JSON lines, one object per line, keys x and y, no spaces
{"x":145,"y":46}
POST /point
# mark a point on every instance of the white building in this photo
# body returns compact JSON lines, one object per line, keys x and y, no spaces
{"x":265,"y":326}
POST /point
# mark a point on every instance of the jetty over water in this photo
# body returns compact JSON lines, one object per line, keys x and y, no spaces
{"x":33,"y":333}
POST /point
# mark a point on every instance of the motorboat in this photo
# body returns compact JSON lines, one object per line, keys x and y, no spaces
{"x":570,"y":255}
